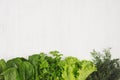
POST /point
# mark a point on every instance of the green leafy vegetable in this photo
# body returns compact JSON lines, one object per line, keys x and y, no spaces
{"x":2,"y":68}
{"x":54,"y":66}
{"x":87,"y":67}
{"x":10,"y":74}
{"x":73,"y":69}
{"x":46,"y":67}
{"x":107,"y":68}
{"x":17,"y":69}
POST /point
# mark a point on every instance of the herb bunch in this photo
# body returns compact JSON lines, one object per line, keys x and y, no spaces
{"x":107,"y":68}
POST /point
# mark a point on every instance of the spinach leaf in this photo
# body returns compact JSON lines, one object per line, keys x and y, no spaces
{"x":10,"y":74}
{"x":24,"y":68}
{"x":2,"y":65}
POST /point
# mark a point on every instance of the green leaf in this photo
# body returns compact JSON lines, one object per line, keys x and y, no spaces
{"x":2,"y":65}
{"x":107,"y":68}
{"x":11,"y":74}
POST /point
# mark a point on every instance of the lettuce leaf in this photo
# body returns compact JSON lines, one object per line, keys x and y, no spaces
{"x":87,"y":67}
{"x":74,"y":69}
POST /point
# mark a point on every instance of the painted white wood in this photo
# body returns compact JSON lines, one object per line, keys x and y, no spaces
{"x":73,"y":27}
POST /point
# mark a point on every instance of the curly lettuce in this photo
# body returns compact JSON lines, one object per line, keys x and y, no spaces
{"x":74,"y":69}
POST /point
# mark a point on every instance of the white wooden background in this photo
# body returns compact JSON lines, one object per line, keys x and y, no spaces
{"x":73,"y":27}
